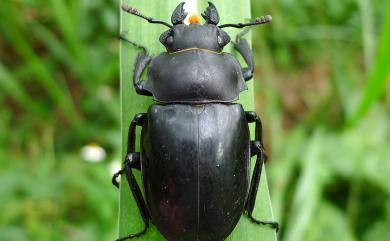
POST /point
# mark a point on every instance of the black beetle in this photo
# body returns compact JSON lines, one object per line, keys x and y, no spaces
{"x":195,"y":142}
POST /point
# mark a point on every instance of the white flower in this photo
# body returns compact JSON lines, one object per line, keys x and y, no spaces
{"x":93,"y":153}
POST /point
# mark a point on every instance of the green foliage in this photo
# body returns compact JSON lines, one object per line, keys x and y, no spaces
{"x":321,"y":66}
{"x":327,"y":182}
{"x":58,"y":83}
{"x":379,"y":74}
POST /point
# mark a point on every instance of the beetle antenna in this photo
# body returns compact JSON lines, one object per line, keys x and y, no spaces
{"x":257,"y":21}
{"x":135,"y":12}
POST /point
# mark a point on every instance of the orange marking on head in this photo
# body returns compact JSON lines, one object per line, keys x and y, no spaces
{"x":194,"y":19}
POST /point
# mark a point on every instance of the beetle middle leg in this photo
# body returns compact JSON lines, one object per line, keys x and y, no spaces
{"x":257,"y":148}
{"x":132,"y":160}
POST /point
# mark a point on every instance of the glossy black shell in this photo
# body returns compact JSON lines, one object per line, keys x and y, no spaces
{"x":195,"y":169}
{"x":195,"y":76}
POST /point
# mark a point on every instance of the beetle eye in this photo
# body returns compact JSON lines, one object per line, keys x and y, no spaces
{"x":169,"y":40}
{"x":223,"y":38}
{"x":164,"y":38}
{"x":220,"y":41}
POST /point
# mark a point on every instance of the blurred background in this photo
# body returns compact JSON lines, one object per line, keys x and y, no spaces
{"x":321,"y":88}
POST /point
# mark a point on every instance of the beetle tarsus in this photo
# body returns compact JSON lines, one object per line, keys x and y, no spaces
{"x":273,"y":224}
{"x":137,"y":45}
{"x":114,"y":178}
{"x":136,"y":235}
{"x":142,"y":61}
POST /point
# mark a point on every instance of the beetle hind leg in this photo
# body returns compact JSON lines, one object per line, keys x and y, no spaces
{"x":115,"y":177}
{"x":133,"y":161}
{"x":257,"y":149}
{"x":274,"y":225}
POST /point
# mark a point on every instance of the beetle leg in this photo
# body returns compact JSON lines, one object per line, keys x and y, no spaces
{"x":133,"y":160}
{"x":137,"y":45}
{"x":137,"y":120}
{"x":256,"y":176}
{"x":242,"y":46}
{"x":141,"y":63}
{"x":251,"y":117}
{"x":114,"y":178}
{"x":273,"y":224}
{"x":257,"y":148}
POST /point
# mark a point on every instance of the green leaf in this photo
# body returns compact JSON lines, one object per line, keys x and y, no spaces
{"x":308,"y":191}
{"x":146,"y":34}
{"x":378,"y":76}
{"x":330,"y":224}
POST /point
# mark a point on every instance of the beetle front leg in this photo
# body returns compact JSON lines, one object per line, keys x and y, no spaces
{"x":133,"y":160}
{"x":141,"y":63}
{"x":242,"y":46}
{"x":257,"y":148}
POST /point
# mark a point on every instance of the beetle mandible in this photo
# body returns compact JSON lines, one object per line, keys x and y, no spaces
{"x":195,"y":142}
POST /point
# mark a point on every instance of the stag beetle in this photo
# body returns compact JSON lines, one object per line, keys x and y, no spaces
{"x":195,"y":142}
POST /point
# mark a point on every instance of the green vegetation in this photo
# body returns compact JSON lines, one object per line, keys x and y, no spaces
{"x":320,"y":87}
{"x":321,"y":92}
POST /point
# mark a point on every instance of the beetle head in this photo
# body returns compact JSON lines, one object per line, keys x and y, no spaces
{"x":208,"y":36}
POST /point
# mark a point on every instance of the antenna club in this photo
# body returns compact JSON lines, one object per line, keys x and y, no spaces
{"x":264,"y":19}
